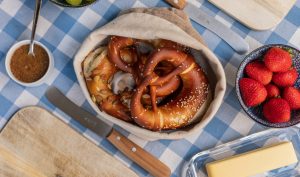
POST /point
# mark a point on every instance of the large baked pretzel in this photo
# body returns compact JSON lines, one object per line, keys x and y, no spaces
{"x":180,"y":110}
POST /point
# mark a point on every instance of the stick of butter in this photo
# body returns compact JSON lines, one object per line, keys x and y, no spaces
{"x":254,"y":162}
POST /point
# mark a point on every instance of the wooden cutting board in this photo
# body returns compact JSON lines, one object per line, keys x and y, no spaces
{"x":256,"y":14}
{"x":34,"y":143}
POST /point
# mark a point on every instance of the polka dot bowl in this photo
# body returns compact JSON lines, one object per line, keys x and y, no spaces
{"x":256,"y":112}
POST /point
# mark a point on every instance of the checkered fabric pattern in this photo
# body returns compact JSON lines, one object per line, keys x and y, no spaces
{"x":62,"y":30}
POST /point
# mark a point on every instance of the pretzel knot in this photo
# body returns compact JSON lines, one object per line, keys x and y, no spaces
{"x":179,"y":110}
{"x":167,"y":73}
{"x":117,"y":55}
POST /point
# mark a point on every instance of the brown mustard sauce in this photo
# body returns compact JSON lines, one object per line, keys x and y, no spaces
{"x":29,"y":68}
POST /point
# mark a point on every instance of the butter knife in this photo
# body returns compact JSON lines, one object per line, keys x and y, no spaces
{"x":134,"y":152}
{"x":209,"y":22}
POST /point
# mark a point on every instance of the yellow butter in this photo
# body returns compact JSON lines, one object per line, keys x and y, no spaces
{"x":254,"y":162}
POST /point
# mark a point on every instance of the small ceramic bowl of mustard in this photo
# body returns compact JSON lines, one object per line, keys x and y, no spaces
{"x":28,"y":70}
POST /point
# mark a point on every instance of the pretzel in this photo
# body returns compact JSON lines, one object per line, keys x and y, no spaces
{"x":115,"y":44}
{"x":118,"y":43}
{"x":181,"y":109}
{"x":169,"y":89}
{"x":99,"y":87}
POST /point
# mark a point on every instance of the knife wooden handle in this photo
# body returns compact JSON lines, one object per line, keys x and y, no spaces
{"x":134,"y":152}
{"x":179,"y":4}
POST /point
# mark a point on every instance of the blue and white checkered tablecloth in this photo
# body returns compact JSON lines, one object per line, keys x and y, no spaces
{"x":62,"y":30}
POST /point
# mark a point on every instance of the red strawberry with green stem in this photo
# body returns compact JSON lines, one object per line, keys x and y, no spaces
{"x":252,"y":91}
{"x":258,"y":71}
{"x":277,"y":110}
{"x":278,"y":60}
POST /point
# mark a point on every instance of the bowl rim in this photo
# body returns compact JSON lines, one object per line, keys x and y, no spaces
{"x":70,"y":6}
{"x":99,"y":37}
{"x":238,"y":94}
{"x":8,"y":57}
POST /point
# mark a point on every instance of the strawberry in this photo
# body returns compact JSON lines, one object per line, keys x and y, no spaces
{"x":278,"y":60}
{"x":252,"y":91}
{"x":273,"y":91}
{"x":292,"y":96}
{"x":258,"y":71}
{"x":277,"y":110}
{"x":285,"y":79}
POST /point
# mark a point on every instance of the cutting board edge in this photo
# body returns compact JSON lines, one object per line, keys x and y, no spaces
{"x":253,"y":27}
{"x":45,"y":110}
{"x":18,"y":112}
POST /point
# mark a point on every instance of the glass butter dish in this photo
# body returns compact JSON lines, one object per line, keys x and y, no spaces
{"x":195,"y":167}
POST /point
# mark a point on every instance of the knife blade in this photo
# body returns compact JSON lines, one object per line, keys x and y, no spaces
{"x":80,"y":115}
{"x":134,"y":152}
{"x":209,"y":22}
